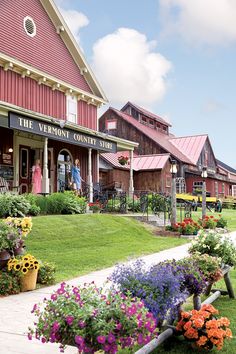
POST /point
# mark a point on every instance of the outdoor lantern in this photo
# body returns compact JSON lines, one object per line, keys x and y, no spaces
{"x":10,"y":150}
{"x":204,"y":172}
{"x":173,"y":167}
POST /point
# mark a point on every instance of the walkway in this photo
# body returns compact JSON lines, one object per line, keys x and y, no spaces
{"x":15,"y":310}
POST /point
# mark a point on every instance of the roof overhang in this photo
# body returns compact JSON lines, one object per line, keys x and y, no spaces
{"x":122,"y":144}
{"x":25,"y":70}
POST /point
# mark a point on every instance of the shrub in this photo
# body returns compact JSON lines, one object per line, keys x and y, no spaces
{"x":9,"y":283}
{"x":208,"y":222}
{"x":34,"y":208}
{"x":13,"y":205}
{"x":133,"y":205}
{"x":158,"y":287}
{"x":221,"y":222}
{"x":93,"y":320}
{"x":186,"y":227}
{"x":46,"y":273}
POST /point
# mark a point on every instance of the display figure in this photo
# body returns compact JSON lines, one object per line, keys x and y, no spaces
{"x":36,"y":178}
{"x":76,"y":177}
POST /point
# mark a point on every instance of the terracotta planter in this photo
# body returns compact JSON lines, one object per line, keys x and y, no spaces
{"x":28,"y":280}
{"x":4,"y":258}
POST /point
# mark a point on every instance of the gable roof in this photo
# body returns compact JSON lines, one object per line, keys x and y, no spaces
{"x":52,"y":54}
{"x":190,"y":146}
{"x":225,"y":166}
{"x":140,"y":162}
{"x":163,"y":140}
{"x":147,"y":113}
{"x":73,"y":46}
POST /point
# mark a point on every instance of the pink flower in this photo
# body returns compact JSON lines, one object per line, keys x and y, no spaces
{"x":53,"y":297}
{"x":111,"y":338}
{"x":69,"y":320}
{"x":79,"y":340}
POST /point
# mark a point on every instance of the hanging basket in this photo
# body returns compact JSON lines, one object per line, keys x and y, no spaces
{"x":28,"y":280}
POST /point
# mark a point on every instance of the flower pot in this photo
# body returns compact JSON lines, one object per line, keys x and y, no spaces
{"x":28,"y":280}
{"x":4,"y":258}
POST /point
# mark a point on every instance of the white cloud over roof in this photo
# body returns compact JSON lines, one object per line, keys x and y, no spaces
{"x":129,"y":68}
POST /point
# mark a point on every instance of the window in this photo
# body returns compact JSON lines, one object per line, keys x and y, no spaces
{"x":223,"y":188}
{"x":71,"y":111}
{"x":29,"y":26}
{"x":111,"y":124}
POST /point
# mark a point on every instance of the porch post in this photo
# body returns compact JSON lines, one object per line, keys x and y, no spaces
{"x":90,"y":178}
{"x":45,"y":179}
{"x":131,"y":179}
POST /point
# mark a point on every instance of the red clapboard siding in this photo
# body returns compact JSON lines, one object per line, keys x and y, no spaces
{"x":87,"y":115}
{"x":28,"y":94}
{"x":46,"y":51}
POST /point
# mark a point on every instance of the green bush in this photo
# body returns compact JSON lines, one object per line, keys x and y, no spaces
{"x":46,"y":273}
{"x":133,"y":205}
{"x":221,"y":222}
{"x":9,"y":283}
{"x":13,"y":205}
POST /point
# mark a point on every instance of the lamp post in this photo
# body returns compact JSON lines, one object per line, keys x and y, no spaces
{"x":204,"y":176}
{"x":173,"y":170}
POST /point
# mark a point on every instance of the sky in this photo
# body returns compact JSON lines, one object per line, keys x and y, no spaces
{"x":176,"y":58}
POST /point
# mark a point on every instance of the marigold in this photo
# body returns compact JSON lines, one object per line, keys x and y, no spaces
{"x":191,"y":333}
{"x":202,"y":341}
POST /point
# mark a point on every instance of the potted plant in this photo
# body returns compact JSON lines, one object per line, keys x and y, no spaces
{"x":92,"y":320}
{"x":28,"y":266}
{"x":123,"y":160}
{"x":9,"y":238}
{"x":203,"y":329}
{"x":95,"y":207}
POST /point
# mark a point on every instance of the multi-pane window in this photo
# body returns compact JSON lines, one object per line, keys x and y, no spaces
{"x":71,"y":109}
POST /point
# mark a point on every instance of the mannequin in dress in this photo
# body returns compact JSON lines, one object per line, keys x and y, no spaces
{"x":36,"y":178}
{"x":76,"y":178}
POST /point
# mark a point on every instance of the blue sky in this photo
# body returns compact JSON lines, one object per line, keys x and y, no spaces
{"x":174,"y":57}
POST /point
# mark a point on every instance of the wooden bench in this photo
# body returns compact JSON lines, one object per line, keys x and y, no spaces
{"x":4,"y":186}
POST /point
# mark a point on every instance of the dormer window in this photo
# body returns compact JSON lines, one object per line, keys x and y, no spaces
{"x":71,"y":109}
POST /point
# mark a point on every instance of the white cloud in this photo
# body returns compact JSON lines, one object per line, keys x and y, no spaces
{"x":213,"y":106}
{"x":128,"y":68}
{"x":200,"y":21}
{"x":75,"y":20}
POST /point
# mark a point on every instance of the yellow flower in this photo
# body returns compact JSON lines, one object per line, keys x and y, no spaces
{"x":26,"y":264}
{"x":17,"y":266}
{"x":24,"y":270}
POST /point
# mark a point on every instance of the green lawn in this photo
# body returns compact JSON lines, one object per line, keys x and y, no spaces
{"x":228,"y":214}
{"x":79,"y":244}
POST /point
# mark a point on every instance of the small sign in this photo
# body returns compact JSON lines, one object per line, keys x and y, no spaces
{"x":6,"y":159}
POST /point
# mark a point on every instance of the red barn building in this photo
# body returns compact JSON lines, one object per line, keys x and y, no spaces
{"x":192,"y":153}
{"x":48,"y":99}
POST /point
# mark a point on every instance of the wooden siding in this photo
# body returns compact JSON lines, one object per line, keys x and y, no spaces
{"x":46,"y":51}
{"x":87,"y":115}
{"x":127,"y":131}
{"x":223,"y":187}
{"x":28,"y":94}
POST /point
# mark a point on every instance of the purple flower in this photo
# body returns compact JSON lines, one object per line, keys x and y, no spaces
{"x":55,"y":326}
{"x":43,"y":340}
{"x":111,"y":338}
{"x":81,"y":324}
{"x":69,"y":320}
{"x":29,"y":336}
{"x":79,"y":340}
{"x":34,"y":308}
{"x":118,"y":326}
{"x":101,"y":339}
{"x":53,"y":297}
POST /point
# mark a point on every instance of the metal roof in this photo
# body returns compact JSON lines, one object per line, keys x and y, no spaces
{"x":140,"y":162}
{"x":190,"y":146}
{"x":225,"y":167}
{"x":147,"y":113}
{"x":163,"y":140}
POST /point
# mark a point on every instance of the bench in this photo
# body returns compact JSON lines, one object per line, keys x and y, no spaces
{"x":4,"y":186}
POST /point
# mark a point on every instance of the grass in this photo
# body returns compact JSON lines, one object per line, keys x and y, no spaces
{"x":228,"y":214}
{"x":79,"y":244}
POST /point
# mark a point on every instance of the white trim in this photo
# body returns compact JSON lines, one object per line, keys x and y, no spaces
{"x":71,"y":109}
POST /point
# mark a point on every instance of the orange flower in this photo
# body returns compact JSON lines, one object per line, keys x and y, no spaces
{"x":228,"y":333}
{"x":188,"y":325}
{"x":198,"y":322}
{"x":191,"y":333}
{"x":224,"y":321}
{"x":210,"y":308}
{"x":212,"y":324}
{"x":185,"y":314}
{"x":202,"y":341}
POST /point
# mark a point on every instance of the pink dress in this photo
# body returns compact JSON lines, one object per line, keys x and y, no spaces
{"x":36,"y":179}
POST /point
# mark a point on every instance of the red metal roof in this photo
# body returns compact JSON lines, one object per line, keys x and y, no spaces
{"x":191,"y":146}
{"x":147,"y":113}
{"x":161,"y":139}
{"x":140,"y":162}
